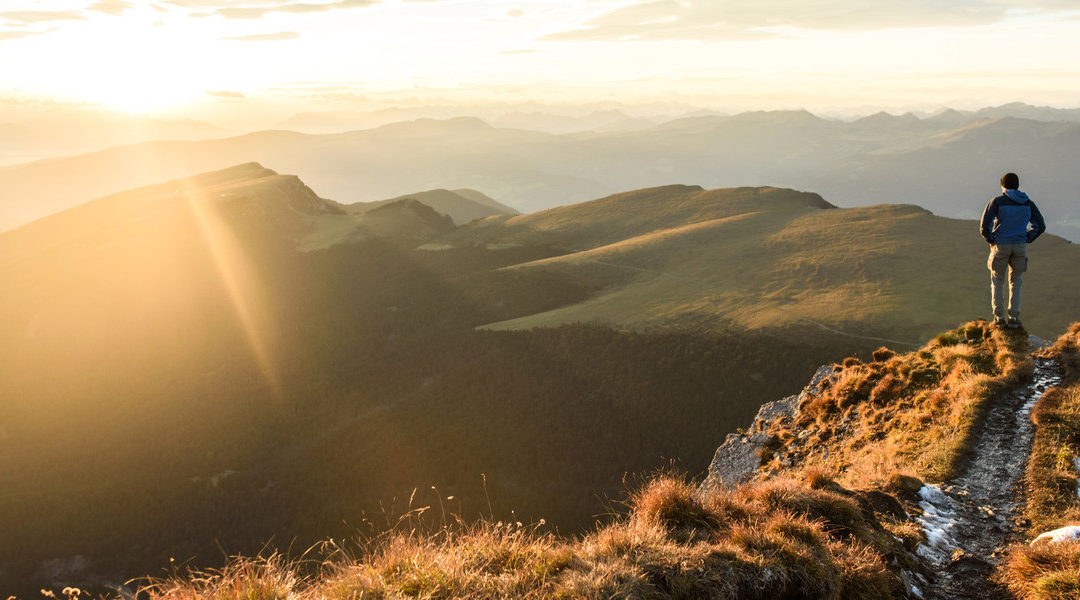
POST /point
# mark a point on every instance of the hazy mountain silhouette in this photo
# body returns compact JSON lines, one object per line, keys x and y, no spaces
{"x":598,"y":121}
{"x":460,"y":205}
{"x":28,"y":134}
{"x":945,"y":165}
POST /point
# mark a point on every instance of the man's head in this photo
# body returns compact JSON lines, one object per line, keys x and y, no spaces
{"x":1010,"y":181}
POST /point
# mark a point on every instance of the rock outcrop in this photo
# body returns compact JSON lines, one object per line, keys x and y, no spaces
{"x":738,"y":458}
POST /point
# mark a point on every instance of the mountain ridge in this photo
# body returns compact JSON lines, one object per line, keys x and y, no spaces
{"x":852,"y":164}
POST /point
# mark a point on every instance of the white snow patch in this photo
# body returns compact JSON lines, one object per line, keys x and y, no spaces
{"x":1065,"y":534}
{"x":938,"y":521}
{"x":915,"y":590}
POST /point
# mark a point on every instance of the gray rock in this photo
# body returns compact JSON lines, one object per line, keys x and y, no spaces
{"x":738,"y":458}
{"x":1037,"y":343}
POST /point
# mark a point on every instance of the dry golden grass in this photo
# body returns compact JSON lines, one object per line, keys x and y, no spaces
{"x":1043,"y":572}
{"x":783,"y":539}
{"x":911,"y":413}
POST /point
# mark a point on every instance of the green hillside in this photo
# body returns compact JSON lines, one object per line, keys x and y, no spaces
{"x":689,"y":258}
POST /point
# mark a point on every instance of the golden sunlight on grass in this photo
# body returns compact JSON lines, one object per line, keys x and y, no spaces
{"x":780,"y":539}
{"x":908,"y":413}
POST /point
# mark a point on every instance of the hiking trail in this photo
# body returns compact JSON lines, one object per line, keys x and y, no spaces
{"x":971,"y":519}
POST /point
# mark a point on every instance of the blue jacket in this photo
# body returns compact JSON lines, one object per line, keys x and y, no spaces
{"x":1006,"y":219}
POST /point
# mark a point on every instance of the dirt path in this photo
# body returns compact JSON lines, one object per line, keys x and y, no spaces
{"x":970,"y":519}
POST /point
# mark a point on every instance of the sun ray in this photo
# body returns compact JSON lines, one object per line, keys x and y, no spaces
{"x":237,"y":276}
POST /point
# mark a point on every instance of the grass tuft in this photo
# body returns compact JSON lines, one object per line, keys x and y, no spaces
{"x":1043,"y":571}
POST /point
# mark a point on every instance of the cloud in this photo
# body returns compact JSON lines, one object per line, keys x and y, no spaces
{"x":14,"y":35}
{"x":224,"y":94}
{"x":255,"y":9}
{"x":716,"y":20}
{"x":111,"y":7}
{"x":41,"y":16}
{"x":265,"y":37}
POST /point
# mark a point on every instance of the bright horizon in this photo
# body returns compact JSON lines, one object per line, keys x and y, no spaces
{"x":232,"y":60}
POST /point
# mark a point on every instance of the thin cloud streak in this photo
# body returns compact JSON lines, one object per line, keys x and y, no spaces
{"x":111,"y":7}
{"x":42,"y":16}
{"x":265,"y":37}
{"x":738,"y":20}
{"x":225,"y":94}
{"x":255,"y":9}
{"x":15,"y":35}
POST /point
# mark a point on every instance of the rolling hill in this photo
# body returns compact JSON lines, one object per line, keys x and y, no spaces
{"x":684,"y":257}
{"x":460,"y":205}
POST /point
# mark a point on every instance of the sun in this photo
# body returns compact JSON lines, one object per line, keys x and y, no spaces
{"x":132,"y":64}
{"x":139,"y":95}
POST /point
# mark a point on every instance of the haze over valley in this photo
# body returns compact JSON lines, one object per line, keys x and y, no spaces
{"x":947,"y":163}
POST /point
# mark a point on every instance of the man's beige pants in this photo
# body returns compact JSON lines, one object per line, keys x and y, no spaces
{"x":1006,"y":260}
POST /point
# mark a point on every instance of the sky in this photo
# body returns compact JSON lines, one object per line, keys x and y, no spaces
{"x":191,"y":57}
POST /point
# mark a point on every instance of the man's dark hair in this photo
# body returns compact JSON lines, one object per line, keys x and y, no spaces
{"x":1010,"y":181}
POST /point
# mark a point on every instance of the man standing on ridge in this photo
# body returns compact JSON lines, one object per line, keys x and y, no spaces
{"x":1005,"y":226}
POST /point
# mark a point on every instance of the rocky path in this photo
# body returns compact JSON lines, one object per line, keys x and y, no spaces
{"x":970,"y":519}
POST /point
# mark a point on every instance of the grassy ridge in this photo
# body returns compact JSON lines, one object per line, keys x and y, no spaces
{"x":906,"y":414}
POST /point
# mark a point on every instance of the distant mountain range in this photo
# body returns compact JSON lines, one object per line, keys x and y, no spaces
{"x":534,"y":120}
{"x":29,"y":135}
{"x":948,"y":163}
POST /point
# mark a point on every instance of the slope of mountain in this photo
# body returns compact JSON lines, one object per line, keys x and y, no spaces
{"x":681,"y":256}
{"x":947,"y":163}
{"x":889,"y":479}
{"x":285,"y":367}
{"x":1021,"y":110}
{"x":357,"y":166}
{"x":172,"y":343}
{"x":482,"y":198}
{"x":601,"y":120}
{"x":460,"y":205}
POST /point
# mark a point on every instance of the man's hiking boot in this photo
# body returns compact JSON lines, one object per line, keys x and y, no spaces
{"x":1000,"y":322}
{"x":1014,"y":323}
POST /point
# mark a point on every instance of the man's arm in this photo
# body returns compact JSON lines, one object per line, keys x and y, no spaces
{"x":1037,"y":222}
{"x":989,"y":214}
